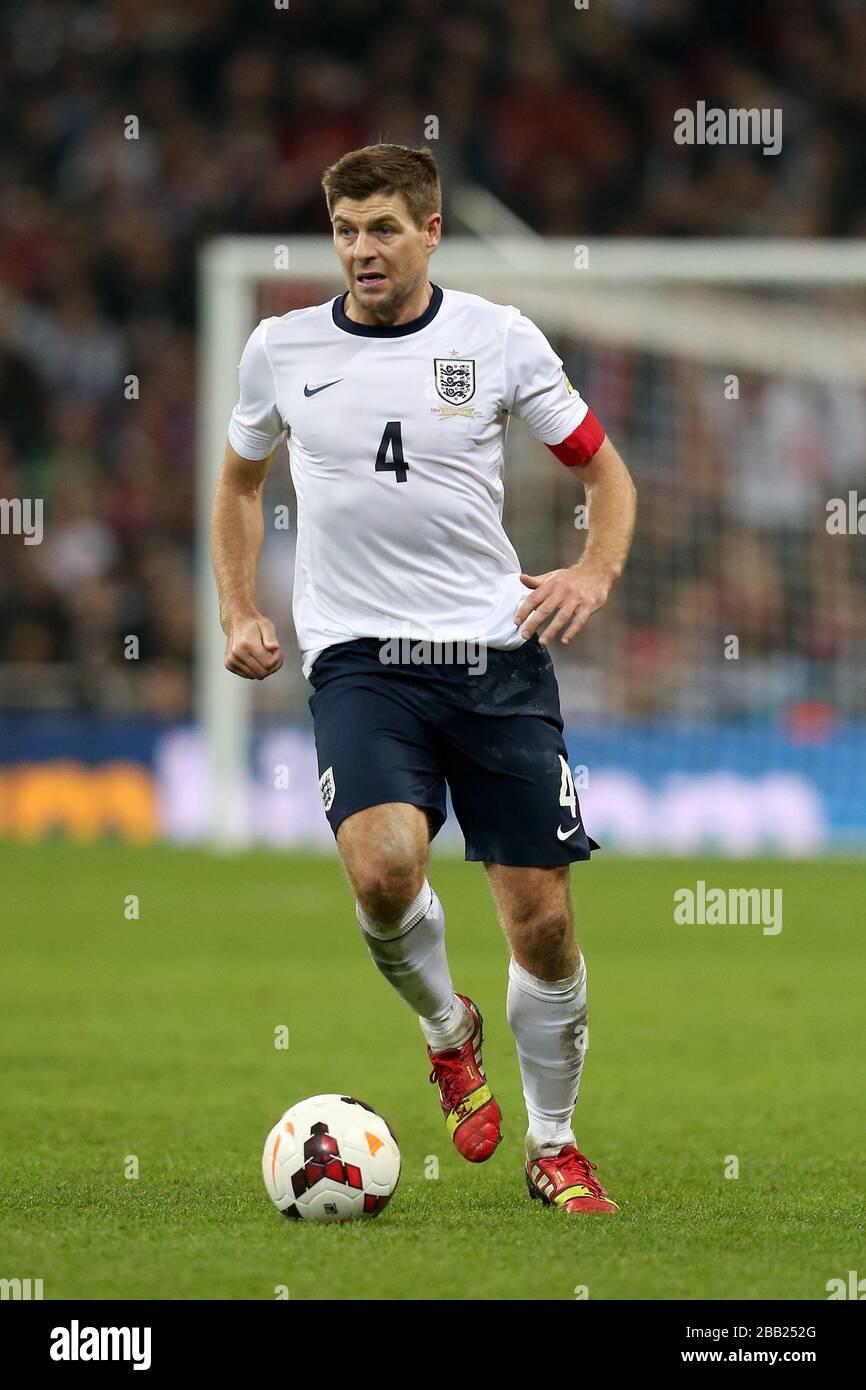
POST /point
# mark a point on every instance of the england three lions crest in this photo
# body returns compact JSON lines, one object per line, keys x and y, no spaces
{"x":455,"y":379}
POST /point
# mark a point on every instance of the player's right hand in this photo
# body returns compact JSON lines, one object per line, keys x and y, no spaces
{"x":252,"y":648}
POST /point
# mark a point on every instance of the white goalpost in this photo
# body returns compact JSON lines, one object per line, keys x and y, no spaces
{"x":795,"y":309}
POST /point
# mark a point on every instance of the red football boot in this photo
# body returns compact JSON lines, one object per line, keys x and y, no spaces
{"x":566,"y":1180}
{"x":472,"y":1115}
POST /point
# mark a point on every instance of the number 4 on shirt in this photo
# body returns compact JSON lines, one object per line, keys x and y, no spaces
{"x":392,"y":439}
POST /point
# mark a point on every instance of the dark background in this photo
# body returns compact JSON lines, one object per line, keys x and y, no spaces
{"x":565,"y":115}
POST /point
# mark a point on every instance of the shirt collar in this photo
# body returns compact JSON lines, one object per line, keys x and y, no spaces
{"x":386,"y":330}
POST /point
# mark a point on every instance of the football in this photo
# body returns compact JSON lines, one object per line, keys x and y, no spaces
{"x":331,"y":1158}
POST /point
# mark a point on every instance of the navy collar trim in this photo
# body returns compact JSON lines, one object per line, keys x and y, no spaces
{"x":386,"y":330}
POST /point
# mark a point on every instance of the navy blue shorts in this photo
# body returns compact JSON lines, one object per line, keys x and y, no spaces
{"x":401,"y":731}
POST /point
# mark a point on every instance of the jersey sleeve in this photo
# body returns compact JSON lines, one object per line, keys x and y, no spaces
{"x":538,"y":390}
{"x":256,"y":425}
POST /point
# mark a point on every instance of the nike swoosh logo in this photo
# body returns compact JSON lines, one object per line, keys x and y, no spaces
{"x":564,"y":834}
{"x":316,"y":389}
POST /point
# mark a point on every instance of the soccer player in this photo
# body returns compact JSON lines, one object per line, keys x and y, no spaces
{"x":425,"y":644}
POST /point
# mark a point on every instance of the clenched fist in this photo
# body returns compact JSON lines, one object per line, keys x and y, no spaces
{"x":252,"y":647}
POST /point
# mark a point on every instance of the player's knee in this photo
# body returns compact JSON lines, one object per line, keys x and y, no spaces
{"x":388,"y":884}
{"x":545,"y":936}
{"x":384,"y":852}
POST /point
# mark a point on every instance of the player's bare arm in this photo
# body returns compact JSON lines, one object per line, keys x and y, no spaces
{"x":237,"y":530}
{"x":571,"y":595}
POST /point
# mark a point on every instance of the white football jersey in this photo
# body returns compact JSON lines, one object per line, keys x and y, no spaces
{"x":396,"y":445}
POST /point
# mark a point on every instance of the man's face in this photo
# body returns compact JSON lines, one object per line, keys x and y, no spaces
{"x":383,"y":254}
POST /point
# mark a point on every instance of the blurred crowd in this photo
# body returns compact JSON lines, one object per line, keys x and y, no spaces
{"x":565,"y":114}
{"x":740,"y":599}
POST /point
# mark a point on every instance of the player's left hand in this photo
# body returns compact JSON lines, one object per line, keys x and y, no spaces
{"x":571,"y":594}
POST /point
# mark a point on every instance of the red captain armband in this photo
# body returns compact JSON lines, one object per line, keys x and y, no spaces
{"x":581,"y":444}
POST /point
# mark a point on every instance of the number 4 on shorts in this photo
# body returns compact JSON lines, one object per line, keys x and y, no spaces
{"x":567,"y":794}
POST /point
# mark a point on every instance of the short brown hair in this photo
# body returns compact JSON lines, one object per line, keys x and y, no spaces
{"x":386,"y":169}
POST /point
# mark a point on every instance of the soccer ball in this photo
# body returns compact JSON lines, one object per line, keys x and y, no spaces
{"x":331,"y":1158}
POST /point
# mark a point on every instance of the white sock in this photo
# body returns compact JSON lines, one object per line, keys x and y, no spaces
{"x":411,"y":955}
{"x":549,"y":1022}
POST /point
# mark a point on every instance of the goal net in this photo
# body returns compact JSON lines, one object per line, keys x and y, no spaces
{"x":718,"y":702}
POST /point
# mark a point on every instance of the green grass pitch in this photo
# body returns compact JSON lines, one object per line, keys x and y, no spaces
{"x":155,"y":1037}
